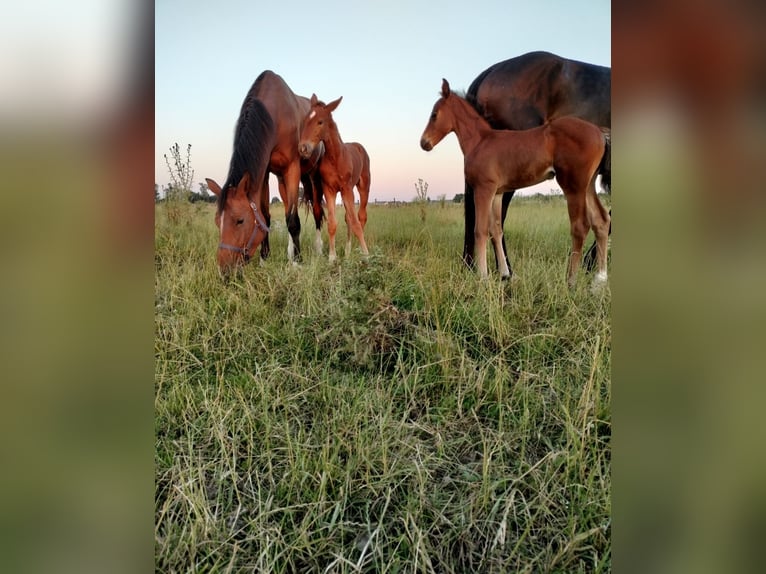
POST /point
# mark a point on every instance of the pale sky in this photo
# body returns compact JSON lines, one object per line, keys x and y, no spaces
{"x":386,"y":59}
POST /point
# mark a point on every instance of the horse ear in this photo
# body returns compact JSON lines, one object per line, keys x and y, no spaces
{"x":244,"y":183}
{"x":314,"y":99}
{"x":213,"y":186}
{"x":332,"y":105}
{"x":445,"y":88}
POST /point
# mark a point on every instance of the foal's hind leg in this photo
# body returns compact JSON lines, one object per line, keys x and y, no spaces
{"x":348,"y":203}
{"x":507,"y":197}
{"x":363,"y":187}
{"x":600,"y":222}
{"x":578,"y":228}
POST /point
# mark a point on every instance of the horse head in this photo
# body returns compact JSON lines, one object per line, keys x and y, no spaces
{"x":242,"y":227}
{"x":316,"y":125}
{"x":440,"y":123}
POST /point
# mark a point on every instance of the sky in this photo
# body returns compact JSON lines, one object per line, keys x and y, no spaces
{"x":387,"y":60}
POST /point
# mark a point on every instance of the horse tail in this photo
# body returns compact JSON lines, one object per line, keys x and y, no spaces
{"x":605,"y":167}
{"x":254,"y":137}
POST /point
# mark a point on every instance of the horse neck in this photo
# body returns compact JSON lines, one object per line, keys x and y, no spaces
{"x":469,"y":126}
{"x":333,"y":143}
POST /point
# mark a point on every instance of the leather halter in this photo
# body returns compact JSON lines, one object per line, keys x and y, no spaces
{"x":245,"y":251}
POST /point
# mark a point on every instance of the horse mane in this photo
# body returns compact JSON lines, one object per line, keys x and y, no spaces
{"x":252,"y":144}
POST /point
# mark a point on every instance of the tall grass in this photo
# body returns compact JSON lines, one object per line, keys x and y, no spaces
{"x":388,"y":414}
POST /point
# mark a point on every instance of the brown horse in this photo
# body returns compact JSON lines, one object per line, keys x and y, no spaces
{"x":528,"y":90}
{"x":343,"y":166}
{"x":497,"y":160}
{"x":265,"y":141}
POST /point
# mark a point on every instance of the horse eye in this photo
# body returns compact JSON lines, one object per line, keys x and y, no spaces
{"x":321,"y":122}
{"x":433,"y":116}
{"x":240,"y":221}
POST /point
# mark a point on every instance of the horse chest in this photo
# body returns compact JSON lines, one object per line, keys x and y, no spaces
{"x":333,"y":176}
{"x":280,"y":161}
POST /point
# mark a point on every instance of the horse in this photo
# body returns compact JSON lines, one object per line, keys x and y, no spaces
{"x":568,"y":148}
{"x":343,"y":166}
{"x":265,"y":141}
{"x":526,"y":91}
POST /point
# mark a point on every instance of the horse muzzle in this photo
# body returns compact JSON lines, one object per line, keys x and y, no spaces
{"x":305,"y":149}
{"x":426,"y":145}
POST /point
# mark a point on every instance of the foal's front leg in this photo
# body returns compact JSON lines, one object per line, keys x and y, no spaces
{"x":483,"y":205}
{"x":332,"y":223}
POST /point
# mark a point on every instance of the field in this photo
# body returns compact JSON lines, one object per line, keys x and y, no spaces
{"x":389,"y":414}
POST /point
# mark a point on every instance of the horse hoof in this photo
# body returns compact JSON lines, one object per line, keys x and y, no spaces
{"x":599,"y":282}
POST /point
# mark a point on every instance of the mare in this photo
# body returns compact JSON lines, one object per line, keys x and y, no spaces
{"x":343,"y":166}
{"x":265,"y":141}
{"x":498,"y":160}
{"x":525,"y":92}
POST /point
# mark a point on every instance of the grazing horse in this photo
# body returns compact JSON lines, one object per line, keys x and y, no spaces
{"x":265,"y":141}
{"x":525,"y":92}
{"x":497,"y":160}
{"x":343,"y":166}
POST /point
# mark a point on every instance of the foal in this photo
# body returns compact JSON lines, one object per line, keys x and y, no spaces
{"x":498,"y":160}
{"x":343,"y":166}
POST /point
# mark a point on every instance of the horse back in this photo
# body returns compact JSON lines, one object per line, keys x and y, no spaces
{"x":287,"y":111}
{"x":525,"y":91}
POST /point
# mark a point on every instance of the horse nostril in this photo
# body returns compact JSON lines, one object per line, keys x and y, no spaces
{"x":425,"y":144}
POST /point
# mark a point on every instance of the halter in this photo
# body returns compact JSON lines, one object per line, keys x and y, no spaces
{"x":245,"y":251}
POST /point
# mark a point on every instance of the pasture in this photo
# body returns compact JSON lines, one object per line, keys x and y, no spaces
{"x":384,"y":414}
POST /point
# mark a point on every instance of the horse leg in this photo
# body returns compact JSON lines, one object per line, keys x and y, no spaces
{"x":605,"y":170}
{"x":483,"y":205}
{"x":265,"y":249}
{"x":601,"y":223}
{"x":289,"y":191}
{"x":316,"y":203}
{"x":348,"y":232}
{"x":578,"y":228}
{"x":507,"y":197}
{"x":347,"y":194}
{"x":332,"y":223}
{"x":496,"y":229}
{"x":363,"y":187}
{"x":589,"y":261}
{"x":469,"y":216}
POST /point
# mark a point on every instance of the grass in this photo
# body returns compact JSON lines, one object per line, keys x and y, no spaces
{"x":390,"y":414}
